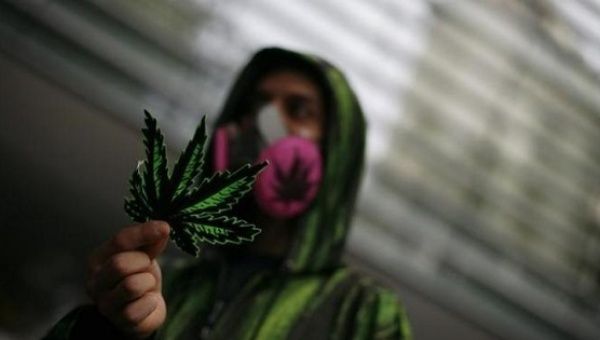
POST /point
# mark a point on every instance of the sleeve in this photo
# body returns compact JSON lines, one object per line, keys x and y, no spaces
{"x":373,"y":313}
{"x":391,"y":321}
{"x":84,"y":322}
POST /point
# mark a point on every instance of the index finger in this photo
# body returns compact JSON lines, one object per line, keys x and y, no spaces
{"x":134,"y":237}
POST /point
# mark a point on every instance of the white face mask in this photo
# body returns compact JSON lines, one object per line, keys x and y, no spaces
{"x":270,"y":124}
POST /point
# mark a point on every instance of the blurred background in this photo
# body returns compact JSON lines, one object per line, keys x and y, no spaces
{"x":481,"y":201}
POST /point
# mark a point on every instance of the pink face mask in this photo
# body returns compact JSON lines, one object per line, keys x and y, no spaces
{"x":290,"y":183}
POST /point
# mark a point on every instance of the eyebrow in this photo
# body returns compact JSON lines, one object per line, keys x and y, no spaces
{"x":302,"y":98}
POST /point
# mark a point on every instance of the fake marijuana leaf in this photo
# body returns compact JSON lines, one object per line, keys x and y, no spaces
{"x":192,"y":202}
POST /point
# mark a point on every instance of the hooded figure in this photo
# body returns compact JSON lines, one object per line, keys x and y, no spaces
{"x":306,"y":292}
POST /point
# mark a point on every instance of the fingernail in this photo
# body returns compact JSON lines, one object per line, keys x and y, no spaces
{"x":161,"y":228}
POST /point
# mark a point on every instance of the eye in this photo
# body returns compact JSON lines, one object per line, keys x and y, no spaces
{"x":298,"y":108}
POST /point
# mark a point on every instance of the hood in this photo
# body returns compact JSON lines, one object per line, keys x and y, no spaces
{"x":321,"y":233}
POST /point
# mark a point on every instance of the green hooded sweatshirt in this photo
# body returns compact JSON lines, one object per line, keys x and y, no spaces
{"x":308,"y":295}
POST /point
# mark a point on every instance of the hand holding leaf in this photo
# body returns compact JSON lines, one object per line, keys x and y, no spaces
{"x":192,"y":202}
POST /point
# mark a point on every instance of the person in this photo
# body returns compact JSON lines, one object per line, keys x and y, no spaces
{"x":299,"y":112}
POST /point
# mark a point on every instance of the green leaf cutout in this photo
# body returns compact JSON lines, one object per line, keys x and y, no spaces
{"x":192,"y":202}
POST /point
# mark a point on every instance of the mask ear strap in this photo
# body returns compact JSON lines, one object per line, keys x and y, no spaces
{"x":221,"y":149}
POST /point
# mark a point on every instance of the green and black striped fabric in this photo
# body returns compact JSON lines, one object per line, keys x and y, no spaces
{"x":336,"y":304}
{"x":311,"y":295}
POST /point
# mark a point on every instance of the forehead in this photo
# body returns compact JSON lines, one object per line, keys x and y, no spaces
{"x":288,"y":82}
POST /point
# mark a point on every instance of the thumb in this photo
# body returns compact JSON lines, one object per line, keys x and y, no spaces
{"x":155,"y":249}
